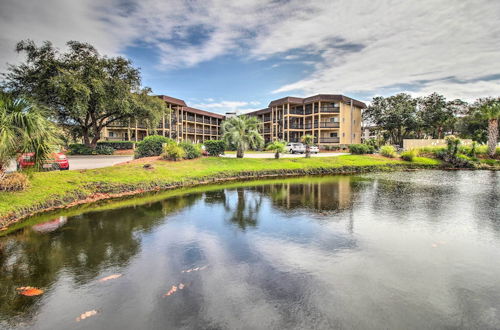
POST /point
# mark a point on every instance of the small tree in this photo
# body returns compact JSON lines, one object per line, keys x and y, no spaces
{"x":452,"y":142}
{"x":490,"y":109}
{"x":278,"y":147}
{"x":243,"y":133}
{"x":308,"y":140}
{"x":24,"y":128}
{"x":84,"y":90}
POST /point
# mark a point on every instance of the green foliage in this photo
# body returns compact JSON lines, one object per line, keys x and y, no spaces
{"x":14,"y":182}
{"x":243,"y":133}
{"x":215,"y":147}
{"x":373,"y":143}
{"x":452,"y":143}
{"x":151,"y":146}
{"x":359,"y":149}
{"x":409,"y":155}
{"x":388,"y":151}
{"x":278,"y":147}
{"x":192,"y":150}
{"x":173,"y":151}
{"x":118,"y":145}
{"x":81,"y":149}
{"x":85,"y":90}
{"x":24,"y":127}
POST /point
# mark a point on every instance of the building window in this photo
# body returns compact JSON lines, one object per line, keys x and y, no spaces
{"x":111,"y":134}
{"x":333,"y":134}
{"x":343,"y":134}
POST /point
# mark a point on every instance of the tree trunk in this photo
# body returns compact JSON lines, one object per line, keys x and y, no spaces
{"x":86,"y":139}
{"x":277,"y":155}
{"x":492,"y":136}
{"x":93,"y":143}
{"x":239,"y":153}
{"x":308,"y":151}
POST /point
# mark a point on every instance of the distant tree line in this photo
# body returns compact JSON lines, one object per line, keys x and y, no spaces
{"x":401,"y":117}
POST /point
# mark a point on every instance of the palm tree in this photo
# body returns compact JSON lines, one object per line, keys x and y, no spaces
{"x":308,"y":140}
{"x":490,"y":109}
{"x":278,"y":147}
{"x":242,"y":132}
{"x":24,"y":128}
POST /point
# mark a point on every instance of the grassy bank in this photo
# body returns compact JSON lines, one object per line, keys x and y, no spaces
{"x":49,"y":190}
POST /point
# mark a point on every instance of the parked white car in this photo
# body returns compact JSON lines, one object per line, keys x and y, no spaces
{"x":295,"y":148}
{"x":314,"y":149}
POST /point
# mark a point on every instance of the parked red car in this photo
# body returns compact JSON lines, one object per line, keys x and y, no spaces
{"x":58,"y":162}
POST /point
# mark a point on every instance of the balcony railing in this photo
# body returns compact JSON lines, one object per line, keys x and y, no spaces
{"x":327,"y":125}
{"x":118,"y":124}
{"x":330,"y":140}
{"x":330,"y":109}
{"x":296,"y":126}
{"x":266,"y":130}
{"x":267,"y":118}
{"x":296,"y":111}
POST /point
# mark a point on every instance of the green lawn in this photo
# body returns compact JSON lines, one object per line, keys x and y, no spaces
{"x":60,"y":188}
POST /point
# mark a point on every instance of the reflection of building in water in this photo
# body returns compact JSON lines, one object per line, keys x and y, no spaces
{"x":323,"y":196}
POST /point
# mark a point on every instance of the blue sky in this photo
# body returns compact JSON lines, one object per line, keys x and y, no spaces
{"x":223,"y":55}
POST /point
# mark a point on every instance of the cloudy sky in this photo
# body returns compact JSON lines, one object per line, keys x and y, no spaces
{"x":223,"y":55}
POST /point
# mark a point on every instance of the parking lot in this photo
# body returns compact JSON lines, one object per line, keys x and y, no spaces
{"x":89,"y":162}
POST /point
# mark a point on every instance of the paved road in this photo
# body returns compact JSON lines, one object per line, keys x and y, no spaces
{"x":88,"y":162}
{"x":271,"y":155}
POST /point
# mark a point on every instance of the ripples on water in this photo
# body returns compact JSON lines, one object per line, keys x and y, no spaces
{"x":408,"y":250}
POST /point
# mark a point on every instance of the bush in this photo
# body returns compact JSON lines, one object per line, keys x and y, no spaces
{"x":452,"y":143}
{"x":409,"y":155}
{"x":151,"y":146}
{"x":14,"y":182}
{"x":388,"y":151}
{"x":361,"y":149}
{"x":215,"y":147}
{"x":172,"y":151}
{"x":192,"y":150}
{"x":104,"y":150}
{"x":118,"y":145}
{"x":81,"y":149}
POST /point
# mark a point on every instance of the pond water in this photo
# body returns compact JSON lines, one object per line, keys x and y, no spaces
{"x":404,"y":250}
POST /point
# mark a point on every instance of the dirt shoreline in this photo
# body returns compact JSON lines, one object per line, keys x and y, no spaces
{"x":108,"y":192}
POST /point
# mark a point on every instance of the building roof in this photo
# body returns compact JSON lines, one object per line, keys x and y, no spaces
{"x":203,"y":112}
{"x":259,"y":112}
{"x":288,"y":99}
{"x":173,"y":100}
{"x":334,"y":97}
{"x":317,"y":98}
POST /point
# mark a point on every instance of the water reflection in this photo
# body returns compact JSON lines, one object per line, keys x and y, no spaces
{"x":397,"y":250}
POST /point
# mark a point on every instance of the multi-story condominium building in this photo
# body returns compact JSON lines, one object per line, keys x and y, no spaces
{"x":334,"y":120}
{"x":182,"y":123}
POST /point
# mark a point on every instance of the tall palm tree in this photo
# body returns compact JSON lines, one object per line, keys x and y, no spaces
{"x":24,"y":128}
{"x":242,"y":132}
{"x":278,"y":147}
{"x":308,"y":140}
{"x":490,"y":110}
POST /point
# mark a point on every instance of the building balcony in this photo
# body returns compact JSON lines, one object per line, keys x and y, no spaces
{"x":296,"y":111}
{"x":119,"y":124}
{"x":329,"y":140}
{"x":267,"y":119}
{"x":327,"y":124}
{"x":330,"y":110}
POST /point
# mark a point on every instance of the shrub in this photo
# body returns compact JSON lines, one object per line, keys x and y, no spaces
{"x":388,"y":151}
{"x":14,"y":182}
{"x":361,"y":149}
{"x":215,"y":147}
{"x":172,"y":151}
{"x":81,"y":149}
{"x":151,"y":146}
{"x":192,"y":150}
{"x":118,"y":145}
{"x":409,"y":155}
{"x":452,"y":143}
{"x":104,"y":150}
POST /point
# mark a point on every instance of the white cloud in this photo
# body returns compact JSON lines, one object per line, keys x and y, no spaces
{"x":361,"y":46}
{"x":228,"y":106}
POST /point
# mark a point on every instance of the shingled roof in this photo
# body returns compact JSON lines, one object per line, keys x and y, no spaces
{"x":173,"y":100}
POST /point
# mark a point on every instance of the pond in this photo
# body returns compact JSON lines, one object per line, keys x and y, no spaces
{"x":403,"y":250}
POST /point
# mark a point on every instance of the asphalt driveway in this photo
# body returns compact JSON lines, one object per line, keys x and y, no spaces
{"x":88,"y":162}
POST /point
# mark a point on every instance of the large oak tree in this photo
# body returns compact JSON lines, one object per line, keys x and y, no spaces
{"x":85,"y":90}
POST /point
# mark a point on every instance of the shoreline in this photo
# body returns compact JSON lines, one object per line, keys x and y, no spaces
{"x":102,"y":190}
